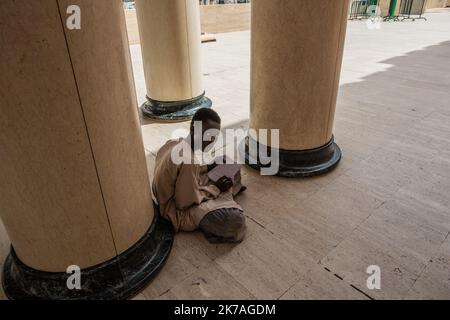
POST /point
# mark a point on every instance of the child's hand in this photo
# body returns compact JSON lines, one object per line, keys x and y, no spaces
{"x":224,"y":184}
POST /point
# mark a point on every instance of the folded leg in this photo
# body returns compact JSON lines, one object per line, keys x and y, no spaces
{"x":224,"y":226}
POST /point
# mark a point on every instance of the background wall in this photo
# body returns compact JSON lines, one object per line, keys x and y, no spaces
{"x":225,"y":18}
{"x":214,"y":19}
{"x":236,"y":17}
{"x":437,"y":3}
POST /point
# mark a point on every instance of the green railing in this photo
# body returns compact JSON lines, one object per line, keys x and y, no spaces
{"x":408,"y":10}
{"x":361,"y":9}
{"x":412,"y":10}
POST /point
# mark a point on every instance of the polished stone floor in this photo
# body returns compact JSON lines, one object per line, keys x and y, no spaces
{"x":387,"y":204}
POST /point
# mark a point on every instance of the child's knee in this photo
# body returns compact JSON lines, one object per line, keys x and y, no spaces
{"x":240,"y":227}
{"x":227,"y":225}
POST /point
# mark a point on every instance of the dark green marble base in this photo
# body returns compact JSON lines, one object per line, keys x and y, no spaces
{"x":298,"y":163}
{"x":176,"y":110}
{"x":117,"y":279}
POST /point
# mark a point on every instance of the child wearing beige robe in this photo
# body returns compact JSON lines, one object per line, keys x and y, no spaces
{"x":190,"y":200}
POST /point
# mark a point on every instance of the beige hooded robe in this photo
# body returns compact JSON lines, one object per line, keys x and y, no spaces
{"x":185,"y":193}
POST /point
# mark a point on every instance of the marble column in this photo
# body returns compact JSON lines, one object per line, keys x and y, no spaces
{"x":73,"y":178}
{"x":171,"y":52}
{"x":297,"y":49}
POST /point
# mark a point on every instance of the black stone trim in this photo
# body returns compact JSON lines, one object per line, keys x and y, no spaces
{"x":117,"y":279}
{"x":301,"y":163}
{"x":175,"y":110}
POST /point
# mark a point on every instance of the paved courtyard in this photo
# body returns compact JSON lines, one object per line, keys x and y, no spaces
{"x":387,"y":203}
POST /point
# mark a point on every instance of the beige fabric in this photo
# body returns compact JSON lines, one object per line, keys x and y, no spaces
{"x":184,"y":192}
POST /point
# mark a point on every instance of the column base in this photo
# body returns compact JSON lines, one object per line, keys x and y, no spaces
{"x":301,"y":163}
{"x":117,"y":279}
{"x":176,"y":110}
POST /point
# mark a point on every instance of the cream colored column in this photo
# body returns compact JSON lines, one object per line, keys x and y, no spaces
{"x":297,"y":49}
{"x":171,"y":50}
{"x":73,"y":179}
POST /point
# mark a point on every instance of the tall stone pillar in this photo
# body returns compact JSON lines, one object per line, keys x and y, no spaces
{"x":73,"y":179}
{"x":171,"y":51}
{"x":297,"y":49}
